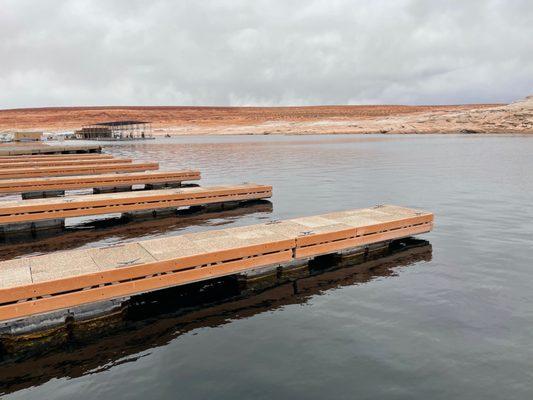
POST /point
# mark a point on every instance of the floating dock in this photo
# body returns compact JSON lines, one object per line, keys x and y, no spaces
{"x":58,"y":283}
{"x":17,"y":150}
{"x":105,"y":181}
{"x":101,"y":168}
{"x":149,"y":320}
{"x":51,"y":157}
{"x":60,"y":163}
{"x":59,"y":208}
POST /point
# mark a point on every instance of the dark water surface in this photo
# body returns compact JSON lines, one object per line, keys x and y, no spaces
{"x":457,"y":323}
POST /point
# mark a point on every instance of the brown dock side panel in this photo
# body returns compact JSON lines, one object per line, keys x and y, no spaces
{"x":74,"y":170}
{"x":57,"y":281}
{"x":59,"y":163}
{"x":12,"y":212}
{"x":25,"y":185}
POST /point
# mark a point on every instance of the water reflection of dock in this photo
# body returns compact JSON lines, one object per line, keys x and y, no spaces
{"x":144,"y":324}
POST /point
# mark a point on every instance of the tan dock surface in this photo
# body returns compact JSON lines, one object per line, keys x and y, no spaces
{"x":60,"y":163}
{"x":58,"y":157}
{"x":35,"y":285}
{"x":10,"y":149}
{"x":102,"y":168}
{"x":19,"y":211}
{"x":24,"y":185}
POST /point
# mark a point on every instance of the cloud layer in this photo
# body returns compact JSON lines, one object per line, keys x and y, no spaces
{"x":264,"y":52}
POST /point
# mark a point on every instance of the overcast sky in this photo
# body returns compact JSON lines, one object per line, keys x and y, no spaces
{"x":255,"y":52}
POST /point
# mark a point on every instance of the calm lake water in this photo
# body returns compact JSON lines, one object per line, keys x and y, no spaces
{"x":454,"y":324}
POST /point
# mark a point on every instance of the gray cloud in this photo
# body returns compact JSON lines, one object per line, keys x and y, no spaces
{"x":264,"y":52}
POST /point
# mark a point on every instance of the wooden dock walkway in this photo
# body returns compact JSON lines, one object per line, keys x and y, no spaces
{"x":61,"y":281}
{"x":61,"y":163}
{"x":58,"y":157}
{"x":18,"y":149}
{"x":24,"y":211}
{"x":100,"y":168}
{"x":60,"y":183}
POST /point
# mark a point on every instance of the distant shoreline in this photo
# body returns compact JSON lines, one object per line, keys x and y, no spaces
{"x":516,"y":117}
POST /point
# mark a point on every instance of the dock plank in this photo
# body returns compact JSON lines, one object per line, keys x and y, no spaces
{"x":15,"y":273}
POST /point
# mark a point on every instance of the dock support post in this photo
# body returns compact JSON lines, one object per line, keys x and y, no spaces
{"x":14,"y":229}
{"x":112,"y":189}
{"x":148,"y":214}
{"x":56,"y":224}
{"x":42,"y":195}
{"x":155,"y":186}
{"x":24,"y":228}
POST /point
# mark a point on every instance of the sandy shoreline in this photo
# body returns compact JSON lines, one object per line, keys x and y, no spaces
{"x":516,"y":117}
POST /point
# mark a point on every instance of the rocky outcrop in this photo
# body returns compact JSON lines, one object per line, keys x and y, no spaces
{"x":516,"y":117}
